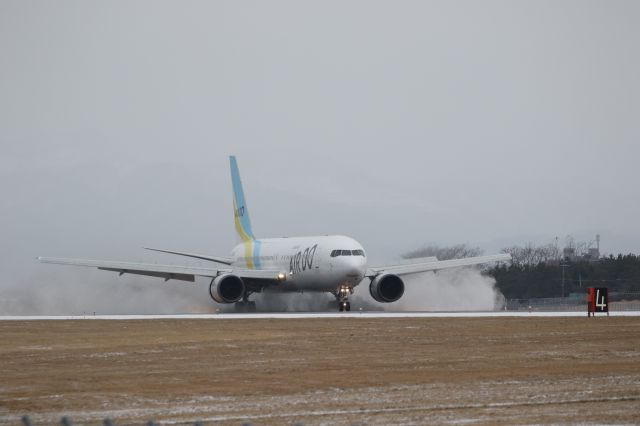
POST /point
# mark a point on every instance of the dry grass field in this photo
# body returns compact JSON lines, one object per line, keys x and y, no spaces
{"x":323,"y":371}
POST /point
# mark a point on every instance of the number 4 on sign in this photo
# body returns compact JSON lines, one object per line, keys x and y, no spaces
{"x":600,"y":302}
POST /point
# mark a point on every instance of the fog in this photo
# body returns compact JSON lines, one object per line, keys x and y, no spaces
{"x":400,"y":124}
{"x":102,"y":293}
{"x":97,"y":292}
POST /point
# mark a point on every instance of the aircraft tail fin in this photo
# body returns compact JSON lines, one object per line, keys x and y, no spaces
{"x":240,"y":211}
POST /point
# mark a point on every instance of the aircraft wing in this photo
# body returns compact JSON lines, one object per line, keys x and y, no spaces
{"x":223,"y":260}
{"x":435,"y":265}
{"x":168,"y":272}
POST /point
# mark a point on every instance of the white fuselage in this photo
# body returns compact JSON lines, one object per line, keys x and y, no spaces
{"x":322,"y":263}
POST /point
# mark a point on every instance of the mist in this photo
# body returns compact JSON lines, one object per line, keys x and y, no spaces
{"x":96,"y":292}
{"x":396,"y":123}
{"x":461,"y":289}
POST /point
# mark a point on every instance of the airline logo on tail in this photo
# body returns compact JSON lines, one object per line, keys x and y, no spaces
{"x":241,"y":219}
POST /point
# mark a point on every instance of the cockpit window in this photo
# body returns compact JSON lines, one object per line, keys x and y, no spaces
{"x":335,"y":253}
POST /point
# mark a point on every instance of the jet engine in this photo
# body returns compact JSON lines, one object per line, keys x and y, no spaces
{"x":226,"y":288}
{"x":386,"y":288}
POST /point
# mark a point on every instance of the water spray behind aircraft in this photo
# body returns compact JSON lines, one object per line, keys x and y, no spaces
{"x":68,"y":293}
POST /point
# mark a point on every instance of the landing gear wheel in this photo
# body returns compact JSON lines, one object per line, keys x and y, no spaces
{"x":342,"y":297}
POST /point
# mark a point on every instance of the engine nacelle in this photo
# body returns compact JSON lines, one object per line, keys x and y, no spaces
{"x":226,"y":288}
{"x":386,"y":288}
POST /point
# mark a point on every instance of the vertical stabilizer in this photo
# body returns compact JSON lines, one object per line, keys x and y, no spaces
{"x":240,"y":211}
{"x":241,"y":220}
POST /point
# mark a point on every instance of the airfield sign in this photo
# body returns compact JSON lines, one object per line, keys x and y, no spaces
{"x":597,"y":300}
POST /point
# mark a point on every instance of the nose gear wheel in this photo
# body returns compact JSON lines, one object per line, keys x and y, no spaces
{"x":342,"y":296}
{"x":344,"y":306}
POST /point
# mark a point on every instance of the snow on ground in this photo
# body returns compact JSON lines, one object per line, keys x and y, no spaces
{"x":513,"y":402}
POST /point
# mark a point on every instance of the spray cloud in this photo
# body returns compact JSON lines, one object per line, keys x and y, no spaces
{"x":73,"y":293}
{"x":460,"y":289}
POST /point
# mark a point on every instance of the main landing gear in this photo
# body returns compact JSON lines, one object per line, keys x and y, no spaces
{"x":245,"y":305}
{"x":342,"y":296}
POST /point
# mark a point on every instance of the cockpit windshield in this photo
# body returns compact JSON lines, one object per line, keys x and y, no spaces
{"x":336,"y":253}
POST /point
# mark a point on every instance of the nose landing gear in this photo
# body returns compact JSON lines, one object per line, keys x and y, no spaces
{"x":342,"y":295}
{"x":344,"y":306}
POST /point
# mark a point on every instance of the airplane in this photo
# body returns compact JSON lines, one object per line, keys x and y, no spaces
{"x":333,"y":264}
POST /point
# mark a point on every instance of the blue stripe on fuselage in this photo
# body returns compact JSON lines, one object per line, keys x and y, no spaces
{"x":256,"y":254}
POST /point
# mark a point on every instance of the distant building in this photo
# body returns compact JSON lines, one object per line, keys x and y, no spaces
{"x":569,"y":253}
{"x":592,"y":254}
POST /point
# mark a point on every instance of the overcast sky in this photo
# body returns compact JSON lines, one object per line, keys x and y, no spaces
{"x":398,"y":123}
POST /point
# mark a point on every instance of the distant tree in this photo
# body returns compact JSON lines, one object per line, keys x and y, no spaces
{"x":523,"y":279}
{"x":536,"y":270}
{"x":531,"y":254}
{"x":579,"y":248}
{"x":457,"y":251}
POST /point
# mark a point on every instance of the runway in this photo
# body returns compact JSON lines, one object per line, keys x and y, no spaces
{"x":304,"y":315}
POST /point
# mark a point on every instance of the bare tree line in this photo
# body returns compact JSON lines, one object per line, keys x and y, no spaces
{"x":528,"y":255}
{"x":531,"y":254}
{"x":457,"y":251}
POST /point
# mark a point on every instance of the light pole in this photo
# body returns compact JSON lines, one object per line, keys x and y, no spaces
{"x":563,"y":265}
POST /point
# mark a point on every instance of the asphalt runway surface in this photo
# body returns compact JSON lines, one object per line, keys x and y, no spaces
{"x":306,"y":315}
{"x":358,"y":368}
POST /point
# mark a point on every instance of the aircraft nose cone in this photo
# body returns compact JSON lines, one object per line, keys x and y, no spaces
{"x":354,"y":267}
